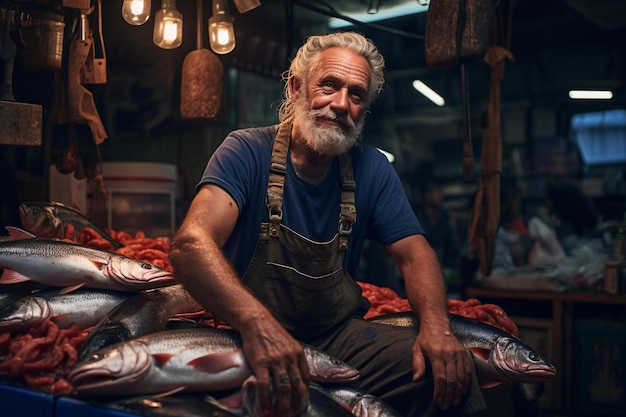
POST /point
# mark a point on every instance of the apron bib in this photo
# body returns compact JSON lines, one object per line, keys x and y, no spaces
{"x":301,"y":281}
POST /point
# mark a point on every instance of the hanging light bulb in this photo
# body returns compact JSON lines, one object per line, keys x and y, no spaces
{"x":136,"y":12}
{"x":221,"y":31}
{"x":168,"y":26}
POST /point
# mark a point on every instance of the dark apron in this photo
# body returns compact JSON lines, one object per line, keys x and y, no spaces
{"x":303,"y":282}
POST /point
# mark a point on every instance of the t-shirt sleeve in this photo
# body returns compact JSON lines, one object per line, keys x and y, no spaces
{"x":232,"y":167}
{"x":392,"y":217}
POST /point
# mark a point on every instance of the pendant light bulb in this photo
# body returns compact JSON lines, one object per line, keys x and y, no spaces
{"x":221,"y":30}
{"x":136,"y":12}
{"x":168,"y":26}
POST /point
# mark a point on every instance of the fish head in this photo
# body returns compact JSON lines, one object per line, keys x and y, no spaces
{"x":40,"y":220}
{"x":23,"y":314}
{"x":110,"y":370}
{"x":133,"y":274}
{"x":519,"y":362}
{"x":326,"y":368}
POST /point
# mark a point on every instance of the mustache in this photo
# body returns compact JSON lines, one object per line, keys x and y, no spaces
{"x":329,"y":114}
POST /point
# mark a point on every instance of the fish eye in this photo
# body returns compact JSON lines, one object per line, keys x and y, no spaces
{"x":336,"y":362}
{"x":533,"y":356}
{"x":146,"y":265}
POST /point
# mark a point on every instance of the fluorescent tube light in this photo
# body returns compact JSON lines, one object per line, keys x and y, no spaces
{"x":590,"y":94}
{"x":396,"y":11}
{"x":389,"y":155}
{"x":428,"y":93}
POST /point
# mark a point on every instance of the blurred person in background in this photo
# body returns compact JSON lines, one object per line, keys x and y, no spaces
{"x":437,"y":224}
{"x":573,"y":217}
{"x":513,"y":242}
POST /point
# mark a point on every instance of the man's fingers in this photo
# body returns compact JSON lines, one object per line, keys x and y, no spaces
{"x":282,"y":394}
{"x":468,"y":370}
{"x":419,"y":364}
{"x":263,"y":393}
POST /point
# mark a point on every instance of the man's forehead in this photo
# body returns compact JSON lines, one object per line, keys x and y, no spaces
{"x":342,"y":62}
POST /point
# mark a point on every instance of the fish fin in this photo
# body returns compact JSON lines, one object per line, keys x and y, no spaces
{"x":71,"y":288}
{"x":99,"y":265}
{"x":190,"y":315}
{"x":168,"y":393}
{"x":17,"y":234}
{"x":481,"y":353}
{"x":250,"y":398}
{"x":217,"y":362}
{"x":12,"y":277}
{"x":231,"y":402}
{"x":162,"y":358}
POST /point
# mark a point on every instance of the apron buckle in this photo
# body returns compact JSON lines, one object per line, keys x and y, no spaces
{"x":345,"y":228}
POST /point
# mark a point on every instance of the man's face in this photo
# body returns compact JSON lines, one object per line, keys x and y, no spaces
{"x":331,"y":114}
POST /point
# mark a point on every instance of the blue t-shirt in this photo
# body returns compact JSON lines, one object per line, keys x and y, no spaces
{"x":241,"y":167}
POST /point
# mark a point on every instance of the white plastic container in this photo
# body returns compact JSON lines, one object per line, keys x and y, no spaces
{"x":142,"y":197}
{"x":66,"y":189}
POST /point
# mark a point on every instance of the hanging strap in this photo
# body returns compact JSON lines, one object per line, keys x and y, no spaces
{"x":276,"y":182}
{"x":347,"y":216}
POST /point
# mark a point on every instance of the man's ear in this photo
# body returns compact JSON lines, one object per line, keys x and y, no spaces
{"x":294,"y":86}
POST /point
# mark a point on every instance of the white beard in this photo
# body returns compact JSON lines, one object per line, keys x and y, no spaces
{"x":324,"y":139}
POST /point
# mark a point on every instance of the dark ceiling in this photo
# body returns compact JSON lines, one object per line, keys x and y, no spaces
{"x":557,"y":45}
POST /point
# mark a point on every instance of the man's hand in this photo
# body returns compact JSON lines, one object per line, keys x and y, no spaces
{"x":280,"y":367}
{"x":450,"y":363}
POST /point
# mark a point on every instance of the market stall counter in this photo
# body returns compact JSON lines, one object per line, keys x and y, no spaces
{"x":21,"y":402}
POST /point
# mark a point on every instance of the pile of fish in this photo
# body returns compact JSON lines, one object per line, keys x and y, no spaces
{"x":140,"y":339}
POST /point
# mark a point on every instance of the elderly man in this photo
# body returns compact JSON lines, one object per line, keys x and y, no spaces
{"x":276,"y":229}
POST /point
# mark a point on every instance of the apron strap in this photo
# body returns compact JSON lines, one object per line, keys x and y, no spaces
{"x":276,"y":182}
{"x":276,"y":186}
{"x":347,"y":216}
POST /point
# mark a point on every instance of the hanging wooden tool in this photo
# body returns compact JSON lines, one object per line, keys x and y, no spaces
{"x":486,"y":216}
{"x":201,"y":81}
{"x":95,"y":69}
{"x":457,"y":32}
{"x":81,"y":105}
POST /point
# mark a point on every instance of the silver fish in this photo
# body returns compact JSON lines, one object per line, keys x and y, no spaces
{"x":85,"y":308}
{"x":16,"y":291}
{"x":187,"y":405}
{"x":361,"y":403}
{"x":142,"y":314}
{"x":198,"y":359}
{"x":318,"y":404}
{"x":498,"y":356}
{"x":48,"y":219}
{"x":57,"y":263}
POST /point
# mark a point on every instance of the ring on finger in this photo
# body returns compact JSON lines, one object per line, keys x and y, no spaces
{"x":283,"y":379}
